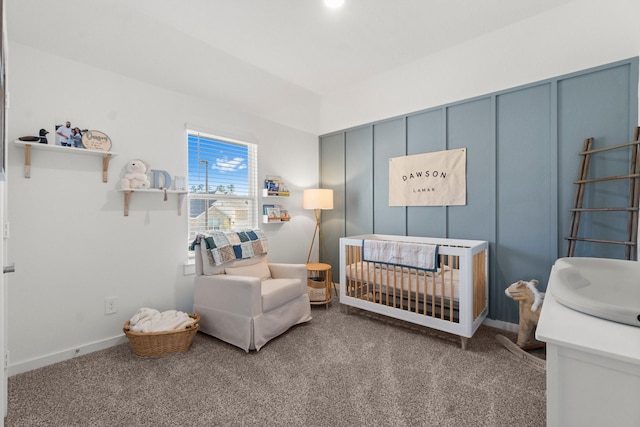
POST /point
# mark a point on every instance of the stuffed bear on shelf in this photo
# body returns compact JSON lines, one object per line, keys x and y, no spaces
{"x":136,"y":176}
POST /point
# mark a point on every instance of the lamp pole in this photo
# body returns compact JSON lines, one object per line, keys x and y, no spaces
{"x":317,"y":213}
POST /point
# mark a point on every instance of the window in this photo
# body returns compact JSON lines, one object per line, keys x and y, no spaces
{"x":222,"y":184}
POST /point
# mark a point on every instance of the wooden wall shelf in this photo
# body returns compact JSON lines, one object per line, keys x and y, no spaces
{"x":129,"y":192}
{"x":267,"y":193}
{"x":29,"y":145}
{"x":268,"y":220}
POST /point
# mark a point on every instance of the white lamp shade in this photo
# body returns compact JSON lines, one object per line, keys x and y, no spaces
{"x":317,"y":198}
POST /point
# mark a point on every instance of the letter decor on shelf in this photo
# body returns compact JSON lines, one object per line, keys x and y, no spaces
{"x":429,"y":179}
{"x":160,"y":184}
{"x":96,"y":140}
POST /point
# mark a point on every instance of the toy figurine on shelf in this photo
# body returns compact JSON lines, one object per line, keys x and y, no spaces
{"x":43,"y":136}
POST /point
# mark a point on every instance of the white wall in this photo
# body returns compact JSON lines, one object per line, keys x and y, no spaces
{"x":69,"y":239}
{"x":573,"y":37}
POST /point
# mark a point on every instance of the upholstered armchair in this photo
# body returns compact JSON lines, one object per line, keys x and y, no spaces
{"x":241,"y":297}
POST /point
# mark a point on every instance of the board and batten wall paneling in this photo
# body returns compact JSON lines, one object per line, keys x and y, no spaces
{"x":522,"y":160}
{"x":469,"y":125}
{"x":425,"y":134}
{"x":596,"y":104}
{"x":359,"y":181}
{"x":525,"y":192}
{"x":389,"y":140}
{"x":332,"y":177}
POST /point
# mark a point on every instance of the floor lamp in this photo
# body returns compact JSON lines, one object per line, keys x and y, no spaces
{"x":317,"y":199}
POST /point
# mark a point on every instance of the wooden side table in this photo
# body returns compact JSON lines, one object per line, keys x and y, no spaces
{"x":319,"y":278}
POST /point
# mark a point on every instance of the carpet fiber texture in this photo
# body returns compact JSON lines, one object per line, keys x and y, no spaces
{"x":340,"y":369}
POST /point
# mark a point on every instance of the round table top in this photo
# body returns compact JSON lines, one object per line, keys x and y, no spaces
{"x":318,"y":266}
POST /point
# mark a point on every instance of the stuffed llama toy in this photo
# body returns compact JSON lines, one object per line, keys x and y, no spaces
{"x":136,"y":176}
{"x":530,"y":299}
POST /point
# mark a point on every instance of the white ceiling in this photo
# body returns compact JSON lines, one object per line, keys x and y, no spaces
{"x":256,"y":54}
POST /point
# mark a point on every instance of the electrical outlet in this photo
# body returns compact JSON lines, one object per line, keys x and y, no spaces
{"x":110,"y":306}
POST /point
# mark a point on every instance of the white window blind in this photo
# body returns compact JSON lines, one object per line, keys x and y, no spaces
{"x":223,"y":181}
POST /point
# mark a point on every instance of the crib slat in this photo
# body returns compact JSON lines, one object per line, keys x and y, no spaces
{"x":442,"y":292}
{"x":350,"y":263}
{"x":354,"y":272}
{"x":401,"y":288}
{"x":347,"y":254}
{"x":424,"y":292}
{"x":386,"y":269}
{"x":433,"y":293}
{"x":394,"y":287}
{"x":416,"y":294}
{"x":360,"y":275}
{"x":361,"y":281}
{"x":451,"y":261}
{"x":374,"y":288}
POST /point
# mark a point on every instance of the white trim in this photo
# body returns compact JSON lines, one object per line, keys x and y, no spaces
{"x":499,"y":324}
{"x":50,"y":359}
{"x":216,"y":134}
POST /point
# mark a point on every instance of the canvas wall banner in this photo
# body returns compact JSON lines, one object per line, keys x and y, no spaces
{"x":429,"y":179}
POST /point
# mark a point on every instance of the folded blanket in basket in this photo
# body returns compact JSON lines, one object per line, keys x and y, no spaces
{"x":151,"y":320}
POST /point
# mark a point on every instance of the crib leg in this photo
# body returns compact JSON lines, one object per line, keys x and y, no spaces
{"x":463,"y":342}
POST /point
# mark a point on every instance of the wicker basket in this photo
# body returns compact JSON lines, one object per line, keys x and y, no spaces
{"x":155,"y":344}
{"x":316,"y":289}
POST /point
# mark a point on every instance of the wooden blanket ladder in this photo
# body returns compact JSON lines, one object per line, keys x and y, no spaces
{"x":634,"y":194}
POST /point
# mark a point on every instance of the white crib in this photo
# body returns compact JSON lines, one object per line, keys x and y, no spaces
{"x":453,"y":299}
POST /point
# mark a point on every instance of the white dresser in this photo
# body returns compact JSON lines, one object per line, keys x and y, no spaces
{"x":593,"y":368}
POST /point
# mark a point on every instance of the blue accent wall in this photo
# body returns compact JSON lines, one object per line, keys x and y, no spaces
{"x":523,"y":148}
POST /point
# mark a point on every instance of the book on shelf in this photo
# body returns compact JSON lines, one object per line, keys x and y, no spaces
{"x":275,"y":213}
{"x":274,"y":185}
{"x":266,"y":208}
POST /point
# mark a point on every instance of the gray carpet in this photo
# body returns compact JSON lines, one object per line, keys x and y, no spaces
{"x":339,"y":369}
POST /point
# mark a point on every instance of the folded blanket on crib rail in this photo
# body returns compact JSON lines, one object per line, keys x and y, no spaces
{"x":151,"y":320}
{"x":421,"y":256}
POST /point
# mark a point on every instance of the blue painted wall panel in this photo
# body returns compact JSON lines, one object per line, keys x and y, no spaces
{"x":524,"y":193}
{"x":425,"y":134}
{"x":595,"y":105}
{"x":332,"y":176}
{"x":359,"y":181}
{"x":388,"y":141}
{"x":469,"y":126}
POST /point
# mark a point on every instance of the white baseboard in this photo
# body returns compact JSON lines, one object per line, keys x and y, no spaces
{"x":50,"y":359}
{"x":499,"y":324}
